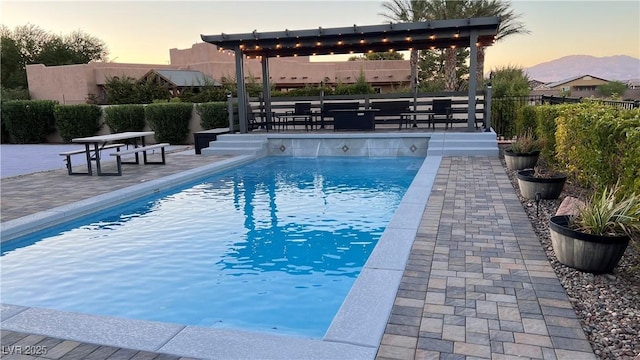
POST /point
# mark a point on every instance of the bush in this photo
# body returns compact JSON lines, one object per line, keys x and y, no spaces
{"x":124,"y":118}
{"x":170,"y":121}
{"x":28,"y":121}
{"x":546,"y":130}
{"x":14,"y":94}
{"x":599,"y":145}
{"x":75,"y":121}
{"x":213,"y":115}
{"x":526,"y":119}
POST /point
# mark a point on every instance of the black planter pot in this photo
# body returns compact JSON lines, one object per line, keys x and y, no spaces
{"x":548,"y":188}
{"x":519,"y":161}
{"x":585,"y":252}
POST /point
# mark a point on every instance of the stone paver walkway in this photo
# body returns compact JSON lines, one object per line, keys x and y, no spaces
{"x":477,"y":285}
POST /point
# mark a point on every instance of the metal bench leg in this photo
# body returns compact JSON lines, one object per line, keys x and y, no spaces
{"x":144,"y":155}
{"x":70,"y":167}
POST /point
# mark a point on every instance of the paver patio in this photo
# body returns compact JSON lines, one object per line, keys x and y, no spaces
{"x":477,"y":284}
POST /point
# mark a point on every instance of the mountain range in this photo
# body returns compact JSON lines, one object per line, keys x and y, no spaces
{"x":618,"y":67}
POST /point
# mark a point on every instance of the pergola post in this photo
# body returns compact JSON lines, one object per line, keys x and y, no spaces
{"x":266,"y":89}
{"x":473,"y":65}
{"x":242,"y":91}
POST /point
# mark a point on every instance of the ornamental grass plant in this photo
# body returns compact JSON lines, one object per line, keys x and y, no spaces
{"x":526,"y":143}
{"x":609,"y":213}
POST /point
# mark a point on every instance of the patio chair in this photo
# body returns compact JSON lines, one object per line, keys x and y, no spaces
{"x":442,"y":109}
{"x":301,"y":111}
{"x":258,"y":120}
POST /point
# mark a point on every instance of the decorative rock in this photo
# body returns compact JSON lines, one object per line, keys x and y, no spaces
{"x":569,"y":206}
{"x":595,"y":298}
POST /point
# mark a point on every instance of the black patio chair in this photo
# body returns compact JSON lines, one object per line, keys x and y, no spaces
{"x":300,"y":111}
{"x":442,"y":109}
{"x":258,"y":119}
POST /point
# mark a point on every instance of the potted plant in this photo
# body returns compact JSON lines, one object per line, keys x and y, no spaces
{"x":595,"y":238}
{"x":547,"y":183}
{"x":524,"y":152}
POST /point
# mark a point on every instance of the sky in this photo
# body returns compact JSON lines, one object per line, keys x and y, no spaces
{"x":144,"y":31}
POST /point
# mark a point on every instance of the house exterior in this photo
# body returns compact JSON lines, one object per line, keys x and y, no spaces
{"x":577,"y":85}
{"x":74,"y":84}
{"x":634,"y":84}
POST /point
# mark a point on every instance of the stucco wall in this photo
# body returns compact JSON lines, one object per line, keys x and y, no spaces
{"x":67,"y":84}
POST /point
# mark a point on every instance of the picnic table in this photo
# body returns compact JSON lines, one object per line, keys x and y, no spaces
{"x":95,"y":144}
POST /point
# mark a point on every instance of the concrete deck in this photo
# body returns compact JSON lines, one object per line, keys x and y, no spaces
{"x":477,"y":284}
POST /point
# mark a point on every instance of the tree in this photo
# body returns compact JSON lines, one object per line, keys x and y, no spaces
{"x":422,"y":10}
{"x":407,"y":11}
{"x":379,"y":56}
{"x":30,"y":44}
{"x":509,"y":25}
{"x":127,"y":90}
{"x":432,"y":74}
{"x":612,"y":89}
{"x":510,"y":81}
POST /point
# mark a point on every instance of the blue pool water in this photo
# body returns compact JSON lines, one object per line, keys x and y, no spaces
{"x":274,"y":245}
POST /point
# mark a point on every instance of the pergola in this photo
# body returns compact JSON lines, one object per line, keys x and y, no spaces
{"x":437,"y":34}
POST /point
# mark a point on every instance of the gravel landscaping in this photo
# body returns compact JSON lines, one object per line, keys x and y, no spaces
{"x":608,"y":305}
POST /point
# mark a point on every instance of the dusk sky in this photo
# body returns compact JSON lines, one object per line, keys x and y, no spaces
{"x":144,"y":31}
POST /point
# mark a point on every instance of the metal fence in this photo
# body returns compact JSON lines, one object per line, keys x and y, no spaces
{"x":627,"y":105}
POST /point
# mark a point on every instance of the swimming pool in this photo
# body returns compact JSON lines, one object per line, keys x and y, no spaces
{"x":268,"y":232}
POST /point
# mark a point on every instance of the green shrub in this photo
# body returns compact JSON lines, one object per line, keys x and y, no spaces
{"x":123,"y":118}
{"x":526,"y":119}
{"x":213,"y":115}
{"x":28,"y":121}
{"x":170,"y":121}
{"x":75,"y":121}
{"x":599,"y":145}
{"x":14,"y":94}
{"x":546,"y":130}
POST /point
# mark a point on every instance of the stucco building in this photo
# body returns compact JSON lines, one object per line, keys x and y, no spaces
{"x":74,"y":84}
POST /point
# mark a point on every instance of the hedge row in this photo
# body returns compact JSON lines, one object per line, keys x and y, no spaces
{"x":28,"y":121}
{"x":31,"y":121}
{"x":596,"y":145}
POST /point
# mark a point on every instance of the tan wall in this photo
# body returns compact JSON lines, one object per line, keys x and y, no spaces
{"x":67,"y":84}
{"x":72,"y":84}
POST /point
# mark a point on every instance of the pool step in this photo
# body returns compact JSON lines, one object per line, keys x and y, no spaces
{"x":238,"y":144}
{"x":463,"y":144}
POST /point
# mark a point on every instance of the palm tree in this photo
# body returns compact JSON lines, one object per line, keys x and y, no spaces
{"x":509,"y":24}
{"x":446,"y":10}
{"x":423,"y":10}
{"x":407,"y":11}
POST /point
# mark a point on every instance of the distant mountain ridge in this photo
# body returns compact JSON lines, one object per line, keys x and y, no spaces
{"x":618,"y":67}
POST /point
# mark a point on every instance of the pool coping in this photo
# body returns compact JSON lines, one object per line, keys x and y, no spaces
{"x":355,"y":332}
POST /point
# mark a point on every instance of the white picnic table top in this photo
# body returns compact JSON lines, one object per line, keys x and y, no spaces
{"x":113,"y":137}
